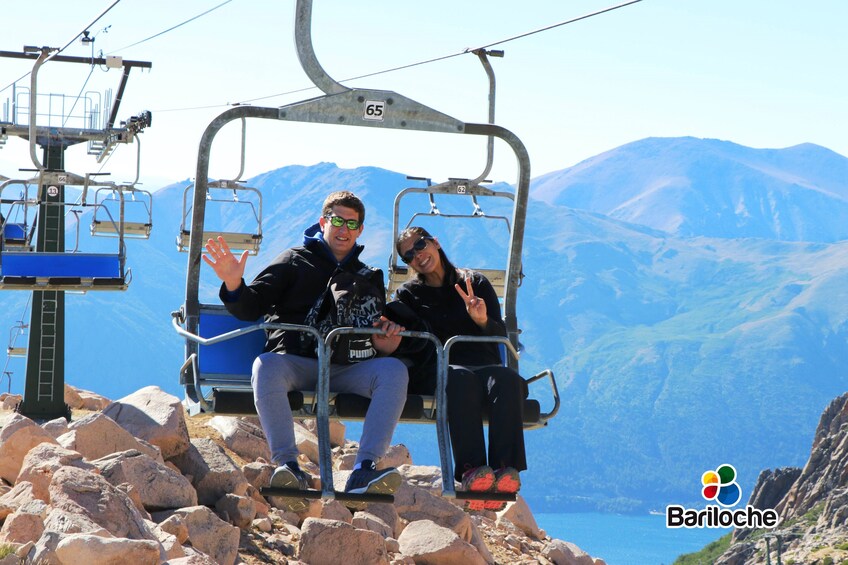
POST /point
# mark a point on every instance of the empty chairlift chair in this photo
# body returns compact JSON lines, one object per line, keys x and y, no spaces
{"x":66,"y":270}
{"x":240,"y":197}
{"x":138,"y":212}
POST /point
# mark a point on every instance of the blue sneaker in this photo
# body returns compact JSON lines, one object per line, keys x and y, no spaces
{"x":367,"y":479}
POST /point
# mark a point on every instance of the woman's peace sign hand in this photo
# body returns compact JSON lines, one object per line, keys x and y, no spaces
{"x":476,"y":307}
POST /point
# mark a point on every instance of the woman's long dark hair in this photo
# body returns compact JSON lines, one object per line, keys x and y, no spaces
{"x":452,"y":274}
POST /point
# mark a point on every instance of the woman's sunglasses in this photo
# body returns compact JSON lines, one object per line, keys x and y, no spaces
{"x":417,"y":247}
{"x":338,"y":221}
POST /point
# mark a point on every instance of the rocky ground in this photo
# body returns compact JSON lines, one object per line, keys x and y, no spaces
{"x":136,"y":481}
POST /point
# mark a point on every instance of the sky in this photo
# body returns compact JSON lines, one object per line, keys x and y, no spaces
{"x":766,"y":74}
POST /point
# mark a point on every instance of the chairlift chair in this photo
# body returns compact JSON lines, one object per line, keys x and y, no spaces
{"x":238,"y":241}
{"x":219,"y":349}
{"x":68,"y":270}
{"x":15,"y":332}
{"x":141,"y":201}
{"x":17,"y":229}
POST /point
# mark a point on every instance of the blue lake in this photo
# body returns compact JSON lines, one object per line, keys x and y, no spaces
{"x":626,"y":540}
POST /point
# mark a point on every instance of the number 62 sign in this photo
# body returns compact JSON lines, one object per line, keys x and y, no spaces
{"x":374,"y":110}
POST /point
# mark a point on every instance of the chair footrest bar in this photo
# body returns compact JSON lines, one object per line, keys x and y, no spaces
{"x":469,"y":495}
{"x":316,"y":494}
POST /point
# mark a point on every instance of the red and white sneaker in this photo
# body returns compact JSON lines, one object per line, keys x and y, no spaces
{"x":479,"y":479}
{"x":506,"y":481}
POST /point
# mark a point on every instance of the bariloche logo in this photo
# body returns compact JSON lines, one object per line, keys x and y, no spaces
{"x":719,"y":485}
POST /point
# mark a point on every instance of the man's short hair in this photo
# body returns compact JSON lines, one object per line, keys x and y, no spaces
{"x":344,"y":198}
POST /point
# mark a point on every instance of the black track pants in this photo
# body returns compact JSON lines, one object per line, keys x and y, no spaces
{"x":498,"y":392}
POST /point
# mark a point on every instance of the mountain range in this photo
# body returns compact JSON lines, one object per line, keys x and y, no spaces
{"x":689,"y":295}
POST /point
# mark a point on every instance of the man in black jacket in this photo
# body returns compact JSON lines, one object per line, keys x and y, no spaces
{"x":284,"y":292}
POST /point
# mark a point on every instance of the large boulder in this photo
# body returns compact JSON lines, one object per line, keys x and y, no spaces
{"x":80,"y":399}
{"x":98,"y":435}
{"x":158,"y":486}
{"x":18,"y":434}
{"x":332,"y":541}
{"x":212,"y":472}
{"x":26,"y":524}
{"x":96,"y":550}
{"x":242,"y":436}
{"x":155,"y":416}
{"x":431,"y":544}
{"x":210,"y":534}
{"x":45,"y":459}
{"x":88,"y":494}
{"x":520,"y":515}
{"x":566,"y":553}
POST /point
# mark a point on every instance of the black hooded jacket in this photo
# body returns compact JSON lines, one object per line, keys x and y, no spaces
{"x":288,"y":287}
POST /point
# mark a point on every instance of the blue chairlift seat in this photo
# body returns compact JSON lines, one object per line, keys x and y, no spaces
{"x":14,"y":234}
{"x":58,"y":271}
{"x":225,"y":367}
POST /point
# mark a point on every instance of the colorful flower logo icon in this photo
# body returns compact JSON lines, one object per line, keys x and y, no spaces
{"x":720,"y":485}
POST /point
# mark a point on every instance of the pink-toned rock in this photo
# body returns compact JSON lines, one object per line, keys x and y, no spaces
{"x":171,"y":546}
{"x":417,"y":503}
{"x":90,"y":495}
{"x":414,"y":503}
{"x":258,"y":474}
{"x":97,"y":435}
{"x":388,"y":514}
{"x":331,"y":541}
{"x":428,"y":543}
{"x":19,"y":495}
{"x":56,"y":427}
{"x":95,"y":550}
{"x":132,"y":493}
{"x":18,"y":434}
{"x":155,"y":416}
{"x":242,"y":437}
{"x":25,"y":525}
{"x":566,"y":553}
{"x":307,"y":442}
{"x":176,"y":526}
{"x":519,"y":514}
{"x":370,"y":522}
{"x":210,"y":534}
{"x":193,"y":557}
{"x":158,"y":486}
{"x":237,"y":510}
{"x":396,"y":456}
{"x":213,"y":474}
{"x":337,"y":430}
{"x":42,"y":461}
{"x":64,"y":521}
{"x":328,"y":510}
{"x":80,"y":399}
{"x":9,"y":401}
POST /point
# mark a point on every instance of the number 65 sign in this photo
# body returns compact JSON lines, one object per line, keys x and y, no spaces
{"x":374,"y":110}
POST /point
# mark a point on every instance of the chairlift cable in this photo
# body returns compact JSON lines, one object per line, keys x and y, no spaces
{"x":424,"y":62}
{"x":556,"y":25}
{"x":173,"y":27}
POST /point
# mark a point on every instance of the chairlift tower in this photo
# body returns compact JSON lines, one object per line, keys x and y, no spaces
{"x":45,"y":365}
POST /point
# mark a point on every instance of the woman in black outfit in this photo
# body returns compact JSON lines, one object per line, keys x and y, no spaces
{"x":462,"y":302}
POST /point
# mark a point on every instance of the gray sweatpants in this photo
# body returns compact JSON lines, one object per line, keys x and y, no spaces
{"x":383,"y":380}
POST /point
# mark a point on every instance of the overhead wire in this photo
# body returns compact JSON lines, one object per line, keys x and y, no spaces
{"x":173,"y":27}
{"x":423,"y":62}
